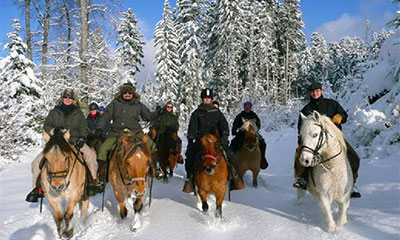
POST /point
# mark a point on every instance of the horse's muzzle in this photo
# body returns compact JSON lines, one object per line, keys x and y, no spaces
{"x":210,"y":170}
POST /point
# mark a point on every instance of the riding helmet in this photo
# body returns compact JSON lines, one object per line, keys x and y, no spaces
{"x":207,"y":92}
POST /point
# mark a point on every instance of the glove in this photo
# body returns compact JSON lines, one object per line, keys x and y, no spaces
{"x":337,"y":119}
{"x":98,"y":133}
{"x":79,"y":144}
{"x":224,"y":140}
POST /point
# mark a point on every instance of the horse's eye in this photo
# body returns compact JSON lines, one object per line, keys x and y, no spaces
{"x":127,"y":163}
{"x":315,"y":135}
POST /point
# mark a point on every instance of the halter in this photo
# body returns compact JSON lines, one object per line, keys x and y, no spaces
{"x":217,"y":160}
{"x":130,"y":180}
{"x":317,"y":157}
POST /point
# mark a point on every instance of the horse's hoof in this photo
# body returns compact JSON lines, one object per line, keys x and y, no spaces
{"x":341,"y":222}
{"x":67,"y":234}
{"x":123,"y":213}
{"x":331,"y":228}
{"x":171,"y":174}
{"x":218,"y":213}
{"x":205,"y":207}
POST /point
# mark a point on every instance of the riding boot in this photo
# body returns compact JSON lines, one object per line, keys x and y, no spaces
{"x":101,"y":176}
{"x":36,"y":193}
{"x":264,"y":163}
{"x":91,"y":185}
{"x":355,"y":193}
{"x":188,"y":187}
{"x":157,"y":172}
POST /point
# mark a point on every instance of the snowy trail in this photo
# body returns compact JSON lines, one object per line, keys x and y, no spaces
{"x":268,"y":212}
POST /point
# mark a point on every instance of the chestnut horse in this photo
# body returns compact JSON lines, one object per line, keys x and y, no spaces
{"x":63,"y":177}
{"x":129,"y":165}
{"x":211,"y":173}
{"x":169,"y":148}
{"x":249,"y":153}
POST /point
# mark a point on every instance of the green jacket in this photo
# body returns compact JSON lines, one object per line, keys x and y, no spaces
{"x":75,"y":122}
{"x":125,"y":115}
{"x":166,"y":120}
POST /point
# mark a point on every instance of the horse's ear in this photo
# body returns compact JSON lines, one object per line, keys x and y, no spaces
{"x":316,"y":116}
{"x":46,"y":137}
{"x":145,"y":138}
{"x":244,"y":120}
{"x":303,"y":117}
{"x":66,"y":135}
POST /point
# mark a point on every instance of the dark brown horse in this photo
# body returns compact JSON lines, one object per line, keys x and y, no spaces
{"x":128,"y":170}
{"x":169,"y":147}
{"x":63,"y":177}
{"x":211,"y":172}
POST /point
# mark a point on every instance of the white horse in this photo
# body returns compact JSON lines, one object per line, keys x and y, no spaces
{"x":331,"y":178}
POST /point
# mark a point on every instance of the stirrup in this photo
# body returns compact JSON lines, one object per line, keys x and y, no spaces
{"x":34,"y":195}
{"x":300,"y":183}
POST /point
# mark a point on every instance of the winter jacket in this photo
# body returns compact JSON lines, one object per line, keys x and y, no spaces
{"x":74,"y":121}
{"x":328,"y":107}
{"x":125,"y":115}
{"x":207,"y":119}
{"x":93,"y":121}
{"x":166,"y":120}
{"x":238,"y":122}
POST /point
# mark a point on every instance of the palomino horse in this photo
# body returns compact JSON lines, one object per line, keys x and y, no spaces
{"x":249,"y":153}
{"x":63,"y":177}
{"x":169,"y":147}
{"x":211,"y":173}
{"x":331,"y":177}
{"x":128,"y":169}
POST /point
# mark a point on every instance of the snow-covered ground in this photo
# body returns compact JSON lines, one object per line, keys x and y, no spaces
{"x":267,"y":212}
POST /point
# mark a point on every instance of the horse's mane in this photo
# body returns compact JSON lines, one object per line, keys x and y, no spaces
{"x":247,"y":124}
{"x":57,"y":141}
{"x":326,"y":124}
{"x":135,"y":141}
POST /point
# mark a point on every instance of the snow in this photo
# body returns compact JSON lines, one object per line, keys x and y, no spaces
{"x":269,"y":211}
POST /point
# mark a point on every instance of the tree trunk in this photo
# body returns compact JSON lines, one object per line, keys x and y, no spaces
{"x":28,"y":27}
{"x":69,"y":33}
{"x":83,"y":52}
{"x":46,"y":25}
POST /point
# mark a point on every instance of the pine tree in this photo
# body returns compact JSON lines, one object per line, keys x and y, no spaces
{"x":20,"y":105}
{"x":130,"y":44}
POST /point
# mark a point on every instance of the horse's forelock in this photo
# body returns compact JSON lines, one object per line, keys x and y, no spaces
{"x":132,"y":143}
{"x":57,"y":141}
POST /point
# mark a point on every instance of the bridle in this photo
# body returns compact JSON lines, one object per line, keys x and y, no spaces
{"x":322,"y":140}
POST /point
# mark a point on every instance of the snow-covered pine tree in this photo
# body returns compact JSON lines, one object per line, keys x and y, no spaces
{"x":321,"y":59}
{"x":130,"y":44}
{"x":291,"y":41}
{"x":188,"y":23}
{"x":20,"y":104}
{"x":167,"y":57}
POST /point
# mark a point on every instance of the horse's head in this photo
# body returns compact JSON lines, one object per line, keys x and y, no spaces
{"x":250,"y":130}
{"x":134,"y":161}
{"x":175,"y":149}
{"x":315,"y":133}
{"x":153,"y":132}
{"x":57,"y":153}
{"x":211,"y":155}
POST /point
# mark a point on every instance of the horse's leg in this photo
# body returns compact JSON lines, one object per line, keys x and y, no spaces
{"x":138,"y":206}
{"x":84,"y":207}
{"x":172,"y":165}
{"x":326,"y":209}
{"x":58,"y":216}
{"x":300,"y":194}
{"x":219,"y":199}
{"x":123,"y":211}
{"x":203,"y":197}
{"x":255,"y":171}
{"x":69,"y":213}
{"x":343,"y":206}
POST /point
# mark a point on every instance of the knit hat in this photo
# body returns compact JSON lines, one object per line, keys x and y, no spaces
{"x":93,"y":106}
{"x":101,"y":108}
{"x":247,"y":104}
{"x":127,"y":87}
{"x":314,"y":85}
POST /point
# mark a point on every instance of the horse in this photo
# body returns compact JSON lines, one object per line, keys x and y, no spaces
{"x":169,"y":148}
{"x":129,"y":165}
{"x":249,"y":153}
{"x":324,"y":149}
{"x":63,"y":177}
{"x":211,"y":173}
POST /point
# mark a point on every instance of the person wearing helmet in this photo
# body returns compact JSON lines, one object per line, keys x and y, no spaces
{"x":93,"y":117}
{"x":237,"y":142}
{"x":207,"y":119}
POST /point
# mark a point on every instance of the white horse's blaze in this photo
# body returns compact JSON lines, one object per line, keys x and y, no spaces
{"x":325,"y":149}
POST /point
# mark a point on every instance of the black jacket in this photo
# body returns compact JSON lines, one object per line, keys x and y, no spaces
{"x":238,"y":122}
{"x":207,"y":119}
{"x":92,"y":122}
{"x":328,"y":107}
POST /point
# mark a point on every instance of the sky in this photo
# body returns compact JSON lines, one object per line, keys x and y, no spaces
{"x":334,"y":19}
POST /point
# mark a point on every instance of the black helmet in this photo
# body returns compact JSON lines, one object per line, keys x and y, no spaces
{"x":207,"y":92}
{"x":93,"y":106}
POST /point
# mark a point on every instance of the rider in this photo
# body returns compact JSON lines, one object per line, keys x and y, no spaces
{"x":332,"y":109}
{"x":237,"y":142}
{"x":93,"y":117}
{"x":125,"y":110}
{"x":207,"y":119}
{"x":68,"y":115}
{"x":166,"y":119}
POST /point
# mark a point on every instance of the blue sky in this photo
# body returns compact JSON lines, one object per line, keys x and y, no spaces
{"x":333,"y":18}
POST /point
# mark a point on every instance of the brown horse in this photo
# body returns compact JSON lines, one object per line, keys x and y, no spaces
{"x":211,"y":173}
{"x":169,"y":147}
{"x":128,"y":170}
{"x":63,"y":177}
{"x":249,"y":153}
